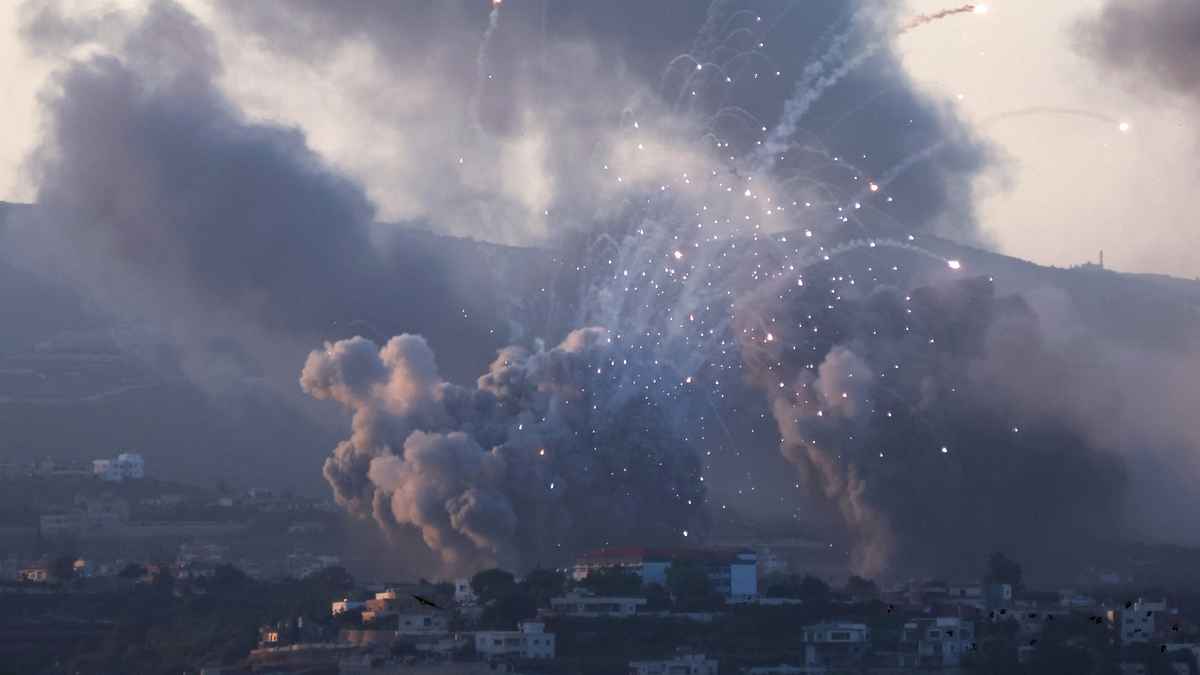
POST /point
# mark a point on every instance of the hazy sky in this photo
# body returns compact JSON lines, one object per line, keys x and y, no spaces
{"x":1065,"y":186}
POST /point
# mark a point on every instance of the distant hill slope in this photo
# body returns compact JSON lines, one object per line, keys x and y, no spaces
{"x":512,"y":294}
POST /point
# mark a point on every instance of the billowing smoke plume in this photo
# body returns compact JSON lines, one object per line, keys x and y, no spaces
{"x":550,"y":453}
{"x":584,"y":103}
{"x":910,"y":416}
{"x":1154,"y":43}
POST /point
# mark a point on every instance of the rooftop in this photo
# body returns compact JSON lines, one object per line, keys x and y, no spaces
{"x":638,"y":554}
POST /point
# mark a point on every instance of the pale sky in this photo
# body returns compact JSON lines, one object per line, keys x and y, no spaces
{"x":1067,"y":186}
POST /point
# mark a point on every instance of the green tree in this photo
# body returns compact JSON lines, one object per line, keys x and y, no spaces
{"x":691,"y":588}
{"x":1003,"y":570}
{"x":814,"y":592}
{"x":504,"y":613}
{"x":612,"y":581}
{"x":1053,"y":657}
{"x":542,"y":585}
{"x":861,"y":589}
{"x":62,"y":568}
{"x":492,"y":584}
{"x":132,"y":571}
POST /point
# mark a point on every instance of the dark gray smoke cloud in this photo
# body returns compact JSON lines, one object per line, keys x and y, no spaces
{"x":924,"y":419}
{"x":545,"y":457}
{"x":157,"y":192}
{"x":565,"y":81}
{"x":1153,"y":43}
{"x":147,"y":162}
{"x":175,"y":198}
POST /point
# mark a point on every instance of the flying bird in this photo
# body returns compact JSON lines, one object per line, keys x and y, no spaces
{"x":423,"y":601}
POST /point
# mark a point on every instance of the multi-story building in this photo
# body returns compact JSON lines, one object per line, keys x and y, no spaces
{"x":529,"y":641}
{"x":940,"y":642}
{"x":126,"y":466}
{"x":733,"y":572}
{"x":37,"y":573}
{"x":346,"y":605}
{"x":300,"y":565}
{"x":463,"y":593}
{"x":1140,"y":621}
{"x":595,"y":606}
{"x":203,"y":552}
{"x":835,"y":645}
{"x":684,"y":664}
{"x":88,"y":518}
{"x":421,"y":624}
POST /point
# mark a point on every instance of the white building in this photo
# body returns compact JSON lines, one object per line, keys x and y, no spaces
{"x":416,"y":624}
{"x":686,"y":664}
{"x":941,"y":642}
{"x":1138,"y":621}
{"x":530,"y":641}
{"x":126,"y":466}
{"x":733,"y":572}
{"x":346,"y":605}
{"x":783,"y":669}
{"x":835,"y":645}
{"x":300,"y":565}
{"x":594,"y":606}
{"x":463,"y":593}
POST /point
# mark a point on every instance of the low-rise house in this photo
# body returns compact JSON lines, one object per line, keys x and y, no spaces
{"x":684,"y":664}
{"x":125,"y":466}
{"x":781,"y":669}
{"x":529,"y":641}
{"x":1141,"y":621}
{"x":301,"y":565}
{"x":37,"y":573}
{"x":463,"y":593}
{"x":595,"y":606}
{"x":422,"y":623}
{"x":346,"y":605}
{"x":733,"y":573}
{"x":835,"y":645}
{"x":940,"y":642}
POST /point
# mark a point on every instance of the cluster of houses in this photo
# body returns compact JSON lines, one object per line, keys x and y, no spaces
{"x":125,"y":466}
{"x":943,"y":623}
{"x":427,"y":628}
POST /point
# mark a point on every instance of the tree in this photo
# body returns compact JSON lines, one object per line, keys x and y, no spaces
{"x":542,"y":585}
{"x":492,"y":584}
{"x":132,"y":571}
{"x":813,"y":591}
{"x":1054,"y":657}
{"x":226,"y":577}
{"x":861,"y":589}
{"x":611,"y":581}
{"x":1003,"y":570}
{"x":657,"y":598}
{"x":691,"y":588}
{"x":508,"y":609}
{"x":62,"y":568}
{"x":333,"y":578}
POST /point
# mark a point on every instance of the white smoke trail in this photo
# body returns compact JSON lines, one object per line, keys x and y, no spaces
{"x":815,"y":82}
{"x":922,"y":19}
{"x":481,"y":68}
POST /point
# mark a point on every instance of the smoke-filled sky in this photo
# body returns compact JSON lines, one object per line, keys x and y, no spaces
{"x":714,"y":288}
{"x":1058,"y":189}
